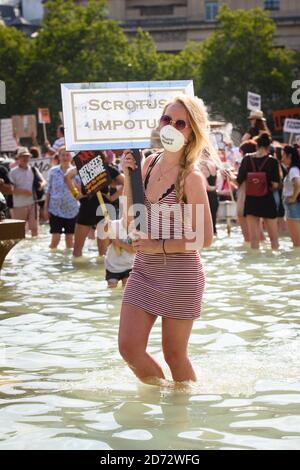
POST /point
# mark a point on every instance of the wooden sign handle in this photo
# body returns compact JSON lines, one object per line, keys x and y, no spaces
{"x":45,"y":132}
{"x":137,"y":191}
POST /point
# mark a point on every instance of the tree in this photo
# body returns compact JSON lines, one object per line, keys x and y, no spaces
{"x":186,"y":65}
{"x":14,"y":49}
{"x":143,"y":58}
{"x":240,"y":57}
{"x":75,"y":44}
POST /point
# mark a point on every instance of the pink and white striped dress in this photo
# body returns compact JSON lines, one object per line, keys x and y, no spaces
{"x":171,"y":286}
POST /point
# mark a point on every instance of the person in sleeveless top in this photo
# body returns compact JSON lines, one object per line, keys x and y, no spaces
{"x":167,"y":279}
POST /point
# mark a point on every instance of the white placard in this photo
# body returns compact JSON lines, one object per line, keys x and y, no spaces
{"x":116,"y":115}
{"x":253,"y":101}
{"x":42,"y":164}
{"x":7,"y":141}
{"x":292,"y":126}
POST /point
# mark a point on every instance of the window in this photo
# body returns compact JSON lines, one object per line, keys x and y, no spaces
{"x":272,"y":4}
{"x":211,"y":10}
{"x":157,"y":10}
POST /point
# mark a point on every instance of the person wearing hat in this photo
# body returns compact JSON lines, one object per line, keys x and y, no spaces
{"x":26,"y":181}
{"x":258,"y":125}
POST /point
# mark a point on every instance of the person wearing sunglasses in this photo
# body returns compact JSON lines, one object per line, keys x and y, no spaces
{"x":167,"y":279}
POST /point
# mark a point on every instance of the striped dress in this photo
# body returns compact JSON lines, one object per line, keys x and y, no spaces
{"x":169,"y":286}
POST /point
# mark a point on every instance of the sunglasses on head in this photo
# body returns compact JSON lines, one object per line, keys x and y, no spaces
{"x":180,"y":124}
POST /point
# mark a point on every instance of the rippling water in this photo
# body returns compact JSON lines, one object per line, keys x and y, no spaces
{"x":63,"y":384}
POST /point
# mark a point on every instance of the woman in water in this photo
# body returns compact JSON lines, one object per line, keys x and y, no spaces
{"x":291,"y":192}
{"x":167,"y":278}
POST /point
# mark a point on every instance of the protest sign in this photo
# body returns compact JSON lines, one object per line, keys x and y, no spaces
{"x":42,"y":164}
{"x":280,"y":115}
{"x":94,"y":175}
{"x":8,"y":142}
{"x":120,"y":115}
{"x":292,"y":126}
{"x":117,"y":115}
{"x":44,"y":116}
{"x":253,"y":101}
{"x":25,"y":126}
{"x":92,"y":171}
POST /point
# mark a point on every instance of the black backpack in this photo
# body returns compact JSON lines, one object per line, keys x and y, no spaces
{"x":38,"y":194}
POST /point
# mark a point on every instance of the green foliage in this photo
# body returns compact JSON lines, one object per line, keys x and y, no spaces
{"x":75,"y":44}
{"x":240,"y":57}
{"x":143,"y":58}
{"x":14,"y":50}
{"x":185,"y":65}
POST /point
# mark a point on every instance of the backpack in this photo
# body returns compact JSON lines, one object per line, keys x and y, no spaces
{"x":256,"y":181}
{"x":38,"y":194}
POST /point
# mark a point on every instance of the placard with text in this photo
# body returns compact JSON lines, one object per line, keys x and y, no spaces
{"x":116,"y":115}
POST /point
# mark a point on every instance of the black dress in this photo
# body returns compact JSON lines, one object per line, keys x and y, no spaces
{"x":260,"y":206}
{"x":281,"y":210}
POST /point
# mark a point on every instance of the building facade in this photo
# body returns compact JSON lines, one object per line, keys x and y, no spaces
{"x":174,"y":22}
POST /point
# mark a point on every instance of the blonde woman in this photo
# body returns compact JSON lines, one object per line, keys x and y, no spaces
{"x":167,"y":278}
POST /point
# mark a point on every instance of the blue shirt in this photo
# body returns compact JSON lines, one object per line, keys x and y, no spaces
{"x":61,"y":203}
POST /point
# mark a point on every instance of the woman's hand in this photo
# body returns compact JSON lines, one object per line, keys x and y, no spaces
{"x":128,"y":162}
{"x":290,"y":200}
{"x":144,"y":244}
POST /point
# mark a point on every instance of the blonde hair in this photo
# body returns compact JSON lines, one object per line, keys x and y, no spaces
{"x":199,"y":146}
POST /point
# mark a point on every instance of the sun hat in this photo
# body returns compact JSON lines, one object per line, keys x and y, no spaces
{"x":257,"y":114}
{"x":22,"y":151}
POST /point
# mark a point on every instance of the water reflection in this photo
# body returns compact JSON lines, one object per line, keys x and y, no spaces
{"x":64,"y":385}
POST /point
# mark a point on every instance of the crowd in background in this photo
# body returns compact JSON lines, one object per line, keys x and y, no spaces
{"x":261,"y":178}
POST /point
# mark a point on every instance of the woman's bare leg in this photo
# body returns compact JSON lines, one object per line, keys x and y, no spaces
{"x":294,"y":231}
{"x":135,"y":327}
{"x":272,"y":229}
{"x":244,"y":227}
{"x":55,"y":239}
{"x":175,"y":338}
{"x":254,"y":231}
{"x":81,"y":232}
{"x":69,"y":240}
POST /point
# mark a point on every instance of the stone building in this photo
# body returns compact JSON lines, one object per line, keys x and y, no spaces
{"x":174,"y":22}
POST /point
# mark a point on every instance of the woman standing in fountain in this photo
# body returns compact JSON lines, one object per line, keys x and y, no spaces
{"x":291,"y":193}
{"x":167,"y":279}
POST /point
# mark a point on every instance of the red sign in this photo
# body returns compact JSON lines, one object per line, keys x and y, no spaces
{"x":44,"y":116}
{"x":281,"y":115}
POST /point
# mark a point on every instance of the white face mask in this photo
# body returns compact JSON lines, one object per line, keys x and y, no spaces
{"x":171,"y":139}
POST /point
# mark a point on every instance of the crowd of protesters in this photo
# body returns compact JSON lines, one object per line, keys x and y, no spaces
{"x":261,"y":178}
